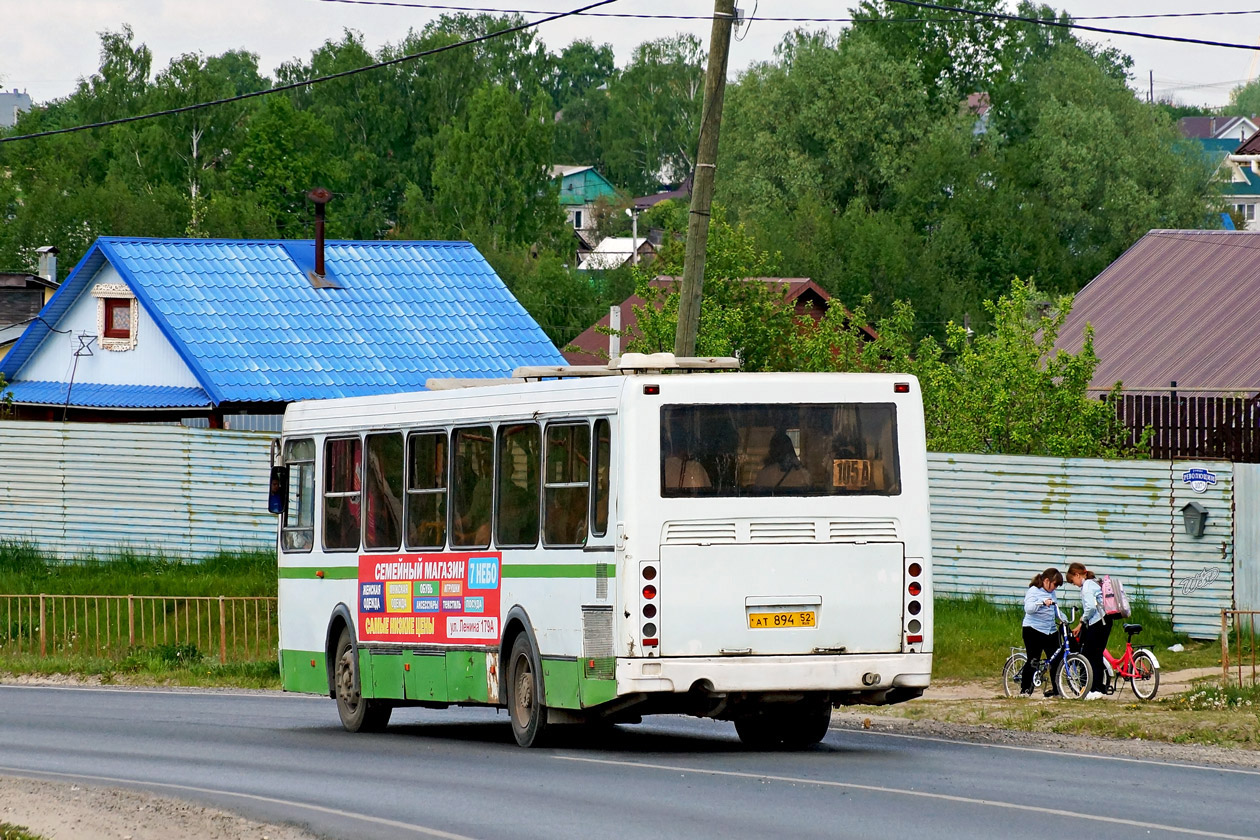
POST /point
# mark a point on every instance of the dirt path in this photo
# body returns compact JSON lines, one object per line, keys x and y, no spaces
{"x":58,"y":810}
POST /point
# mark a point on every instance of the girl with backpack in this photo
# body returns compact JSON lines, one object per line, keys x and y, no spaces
{"x":1040,"y":636}
{"x":1095,"y":626}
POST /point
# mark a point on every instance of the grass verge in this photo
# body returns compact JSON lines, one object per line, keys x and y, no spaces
{"x":25,"y":570}
{"x":9,"y":831}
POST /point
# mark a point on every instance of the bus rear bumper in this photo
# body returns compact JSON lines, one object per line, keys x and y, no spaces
{"x":859,"y":673}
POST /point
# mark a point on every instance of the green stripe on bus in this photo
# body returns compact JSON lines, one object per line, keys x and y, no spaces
{"x":309,"y":572}
{"x":555,"y":570}
{"x":510,"y":570}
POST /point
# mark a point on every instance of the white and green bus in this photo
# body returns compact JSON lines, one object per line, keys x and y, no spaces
{"x":598,"y":544}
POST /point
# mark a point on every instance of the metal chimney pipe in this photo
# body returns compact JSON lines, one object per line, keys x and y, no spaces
{"x":320,"y":196}
{"x":48,"y":262}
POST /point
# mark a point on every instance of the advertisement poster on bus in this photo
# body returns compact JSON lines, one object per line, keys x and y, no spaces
{"x":446,"y":598}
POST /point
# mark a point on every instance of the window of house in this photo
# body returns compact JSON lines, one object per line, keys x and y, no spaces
{"x":342,"y":487}
{"x":567,"y":484}
{"x":297,"y":529}
{"x":426,"y":490}
{"x":383,"y":517}
{"x":116,"y":316}
{"x":577,"y":219}
{"x":516,"y":503}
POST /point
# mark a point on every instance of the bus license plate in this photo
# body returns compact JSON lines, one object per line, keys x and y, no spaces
{"x":803,"y":618}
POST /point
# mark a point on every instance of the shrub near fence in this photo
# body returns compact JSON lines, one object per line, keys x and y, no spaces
{"x":232,"y":629}
{"x":1238,"y":648}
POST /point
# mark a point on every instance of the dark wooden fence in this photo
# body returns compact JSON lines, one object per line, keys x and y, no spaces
{"x":1224,"y":428}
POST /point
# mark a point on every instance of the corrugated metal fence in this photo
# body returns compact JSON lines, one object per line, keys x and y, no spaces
{"x":92,"y":489}
{"x":997,"y":520}
{"x":79,"y":489}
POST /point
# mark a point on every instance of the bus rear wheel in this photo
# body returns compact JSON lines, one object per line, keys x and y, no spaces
{"x":793,"y":727}
{"x":526,"y":709}
{"x":357,"y":713}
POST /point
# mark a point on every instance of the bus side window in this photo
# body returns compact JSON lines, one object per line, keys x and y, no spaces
{"x":426,"y":490}
{"x":342,"y":483}
{"x":383,"y":516}
{"x":473,"y":486}
{"x":516,"y":502}
{"x":297,"y":528}
{"x":602,"y":471}
{"x":567,"y":486}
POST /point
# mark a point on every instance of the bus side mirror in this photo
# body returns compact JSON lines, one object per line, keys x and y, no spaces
{"x":279,"y":489}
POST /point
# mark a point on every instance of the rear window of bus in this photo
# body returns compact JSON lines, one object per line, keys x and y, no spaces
{"x":779,"y":450}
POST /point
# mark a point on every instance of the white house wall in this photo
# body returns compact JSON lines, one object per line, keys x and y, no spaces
{"x":154,"y":360}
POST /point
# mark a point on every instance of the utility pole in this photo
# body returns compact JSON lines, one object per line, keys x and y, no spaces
{"x":702,"y":182}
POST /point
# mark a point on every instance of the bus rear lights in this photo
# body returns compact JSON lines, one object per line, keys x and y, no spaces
{"x":651,"y":390}
{"x":649,"y":573}
{"x":915,"y":589}
{"x":649,"y":592}
{"x":914,"y":626}
{"x":649,"y":611}
{"x":651,"y":642}
{"x":649,"y":629}
{"x":915,"y":570}
{"x":914,"y":607}
{"x":901,"y":388}
{"x":914,"y":640}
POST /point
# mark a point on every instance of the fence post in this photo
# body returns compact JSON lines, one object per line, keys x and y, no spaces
{"x":1224,"y":651}
{"x":222,"y":632}
{"x":131,"y":622}
{"x":43,"y":648}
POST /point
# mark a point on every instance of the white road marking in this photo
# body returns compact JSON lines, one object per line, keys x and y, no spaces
{"x":1124,"y":758}
{"x":402,"y":826}
{"x":945,"y":797}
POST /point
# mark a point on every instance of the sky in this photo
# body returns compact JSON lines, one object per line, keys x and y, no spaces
{"x":47,"y":45}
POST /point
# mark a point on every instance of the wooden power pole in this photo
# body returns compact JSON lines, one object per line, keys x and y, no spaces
{"x":702,"y":181}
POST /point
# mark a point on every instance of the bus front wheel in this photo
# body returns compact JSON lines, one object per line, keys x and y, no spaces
{"x":525,"y":702}
{"x":357,"y":713}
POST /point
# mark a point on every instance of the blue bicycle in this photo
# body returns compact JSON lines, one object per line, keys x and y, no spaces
{"x":1070,"y":671}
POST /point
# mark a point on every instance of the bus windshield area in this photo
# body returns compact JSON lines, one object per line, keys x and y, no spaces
{"x":779,"y":450}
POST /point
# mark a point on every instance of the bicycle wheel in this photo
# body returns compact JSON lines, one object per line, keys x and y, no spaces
{"x":1073,"y":677}
{"x":1145,"y":680}
{"x":1012,"y":671}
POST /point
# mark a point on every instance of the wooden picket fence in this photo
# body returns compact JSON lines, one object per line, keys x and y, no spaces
{"x":1187,"y":426}
{"x":114,"y":626}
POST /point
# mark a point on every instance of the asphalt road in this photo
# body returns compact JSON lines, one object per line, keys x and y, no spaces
{"x":457,"y":773}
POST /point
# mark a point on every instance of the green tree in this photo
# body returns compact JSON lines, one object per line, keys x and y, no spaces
{"x":1244,"y":100}
{"x":653,"y":120}
{"x":491,"y":178}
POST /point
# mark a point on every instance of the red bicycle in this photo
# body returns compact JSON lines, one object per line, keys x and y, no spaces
{"x":1138,"y":665}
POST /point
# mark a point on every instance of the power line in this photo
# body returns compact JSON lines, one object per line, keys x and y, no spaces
{"x":644,"y":16}
{"x":1068,"y":25}
{"x":307,"y":82}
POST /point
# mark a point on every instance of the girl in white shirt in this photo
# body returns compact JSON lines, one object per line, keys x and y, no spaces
{"x":1095,"y":626}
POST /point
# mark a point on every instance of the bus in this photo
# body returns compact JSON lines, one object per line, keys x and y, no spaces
{"x":595,"y":544}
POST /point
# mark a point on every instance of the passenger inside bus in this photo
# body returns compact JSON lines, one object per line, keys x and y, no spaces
{"x":682,"y":470}
{"x":782,"y":468}
{"x":472,"y":528}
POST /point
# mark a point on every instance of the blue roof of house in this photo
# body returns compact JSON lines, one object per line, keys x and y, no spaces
{"x":248,"y":323}
{"x":93,"y":395}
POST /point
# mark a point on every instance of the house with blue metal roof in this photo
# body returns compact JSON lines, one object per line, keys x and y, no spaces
{"x":217,"y":331}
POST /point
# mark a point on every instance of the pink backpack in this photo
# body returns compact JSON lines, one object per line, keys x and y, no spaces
{"x":1115,"y":602}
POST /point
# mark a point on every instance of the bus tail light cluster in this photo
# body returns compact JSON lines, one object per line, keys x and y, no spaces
{"x":914,"y":606}
{"x":650,"y":612}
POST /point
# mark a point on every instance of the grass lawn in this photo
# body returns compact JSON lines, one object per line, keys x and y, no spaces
{"x":9,"y":831}
{"x":975,"y":635}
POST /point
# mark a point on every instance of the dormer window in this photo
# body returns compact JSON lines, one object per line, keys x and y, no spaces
{"x":116,"y":316}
